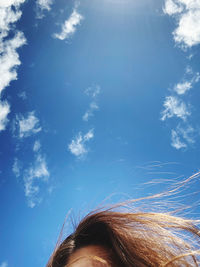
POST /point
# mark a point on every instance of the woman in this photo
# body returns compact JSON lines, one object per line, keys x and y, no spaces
{"x":125,"y":238}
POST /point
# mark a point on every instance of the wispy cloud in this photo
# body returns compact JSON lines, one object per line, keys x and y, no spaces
{"x":187,"y":133}
{"x":22,"y":95}
{"x":4,"y":111}
{"x":16,"y":168}
{"x":172,"y":7}
{"x":182,"y":88}
{"x":90,"y":112}
{"x":187,"y":15}
{"x":174,"y":107}
{"x":69,"y":26}
{"x":9,"y":15}
{"x":176,"y":142}
{"x":33,"y":176}
{"x":78,"y":145}
{"x":92,"y":92}
{"x":43,"y":5}
{"x":182,"y":136}
{"x":4,"y":264}
{"x":188,"y":82}
{"x":28,"y":125}
{"x":178,"y":107}
{"x":36,"y":146}
{"x":9,"y":59}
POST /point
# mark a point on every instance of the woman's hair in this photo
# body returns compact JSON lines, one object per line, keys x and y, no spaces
{"x":134,"y":239}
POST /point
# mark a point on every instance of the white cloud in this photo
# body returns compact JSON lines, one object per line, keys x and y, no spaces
{"x":196,"y":78}
{"x":9,"y":15}
{"x":22,"y":95}
{"x":187,"y":133}
{"x":9,"y":3}
{"x":36,"y":146}
{"x":78,"y":147}
{"x":187,"y":14}
{"x":50,"y":189}
{"x":190,"y":78}
{"x":4,"y":111}
{"x":90,"y":112}
{"x":174,"y":107}
{"x":182,"y":88}
{"x":176,"y":142}
{"x":188,"y":30}
{"x":33,"y":177}
{"x":89,"y":135}
{"x":28,"y":125}
{"x":69,"y":26}
{"x":44,"y":4}
{"x":4,"y":264}
{"x":190,"y":56}
{"x":9,"y":58}
{"x":16,"y":168}
{"x":182,"y":136}
{"x":171,"y":7}
{"x":188,"y":70}
{"x":93,"y":91}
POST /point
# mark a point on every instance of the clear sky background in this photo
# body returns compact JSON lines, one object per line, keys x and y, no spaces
{"x":97,"y":98}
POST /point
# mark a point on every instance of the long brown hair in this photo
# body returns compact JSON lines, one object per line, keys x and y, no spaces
{"x":134,"y":238}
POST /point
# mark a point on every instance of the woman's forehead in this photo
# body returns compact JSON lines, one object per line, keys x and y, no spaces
{"x":88,"y":257}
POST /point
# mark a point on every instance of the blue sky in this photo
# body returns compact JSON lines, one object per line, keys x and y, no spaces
{"x":97,"y":98}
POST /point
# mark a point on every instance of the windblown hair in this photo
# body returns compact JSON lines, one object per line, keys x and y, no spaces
{"x":135,"y":239}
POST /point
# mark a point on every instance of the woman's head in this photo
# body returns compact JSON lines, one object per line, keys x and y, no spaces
{"x":111,"y":238}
